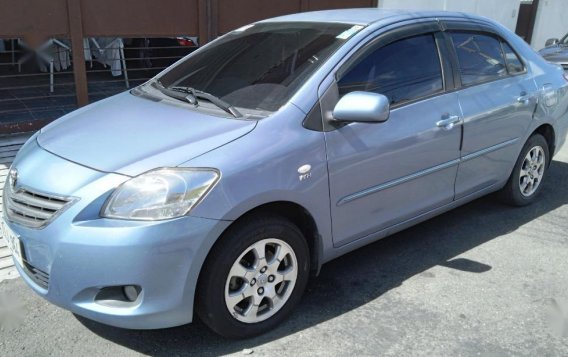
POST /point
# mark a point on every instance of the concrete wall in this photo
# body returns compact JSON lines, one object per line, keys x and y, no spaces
{"x":551,"y":22}
{"x":503,"y":11}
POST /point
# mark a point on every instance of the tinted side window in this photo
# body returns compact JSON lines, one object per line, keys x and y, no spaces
{"x":404,"y":70}
{"x":480,"y":57}
{"x":514,"y":64}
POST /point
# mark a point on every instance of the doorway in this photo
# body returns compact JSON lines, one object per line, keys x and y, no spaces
{"x":527,"y":16}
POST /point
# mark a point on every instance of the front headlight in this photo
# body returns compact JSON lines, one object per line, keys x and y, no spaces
{"x":160,"y":194}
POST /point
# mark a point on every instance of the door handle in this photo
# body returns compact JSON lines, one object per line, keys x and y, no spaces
{"x":449,"y":123}
{"x":524,"y":98}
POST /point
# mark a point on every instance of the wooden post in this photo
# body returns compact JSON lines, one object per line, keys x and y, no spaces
{"x":213,"y":19}
{"x":77,"y":51}
{"x":203,"y":21}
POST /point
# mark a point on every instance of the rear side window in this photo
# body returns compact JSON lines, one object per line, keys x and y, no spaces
{"x":480,"y":57}
{"x":403,"y":71}
{"x":514,"y":64}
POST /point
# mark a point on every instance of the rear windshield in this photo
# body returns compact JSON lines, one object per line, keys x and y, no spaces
{"x":260,"y":67}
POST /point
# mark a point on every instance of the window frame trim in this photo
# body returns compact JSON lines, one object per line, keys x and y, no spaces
{"x":525,"y":70}
{"x":482,"y":29}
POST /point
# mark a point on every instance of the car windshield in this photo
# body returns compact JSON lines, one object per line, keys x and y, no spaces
{"x":259,"y":66}
{"x":564,"y":40}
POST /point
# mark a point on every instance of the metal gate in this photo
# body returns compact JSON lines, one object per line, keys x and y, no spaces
{"x":67,"y":26}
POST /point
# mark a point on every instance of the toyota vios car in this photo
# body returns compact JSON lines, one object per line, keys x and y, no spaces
{"x":219,"y":186}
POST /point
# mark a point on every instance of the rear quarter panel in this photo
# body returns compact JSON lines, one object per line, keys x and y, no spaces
{"x":553,"y":102}
{"x":552,"y":90}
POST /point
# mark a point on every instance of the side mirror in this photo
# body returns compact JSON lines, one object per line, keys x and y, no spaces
{"x":363,"y":107}
{"x":551,"y":42}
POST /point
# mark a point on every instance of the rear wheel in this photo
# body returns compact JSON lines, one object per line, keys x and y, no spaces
{"x":253,"y":277}
{"x":531,"y":167}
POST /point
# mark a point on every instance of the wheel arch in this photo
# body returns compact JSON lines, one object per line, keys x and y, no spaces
{"x":298,"y":215}
{"x":547,"y":131}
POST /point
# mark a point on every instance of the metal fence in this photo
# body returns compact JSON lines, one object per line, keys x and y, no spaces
{"x":37,"y":86}
{"x":60,"y":54}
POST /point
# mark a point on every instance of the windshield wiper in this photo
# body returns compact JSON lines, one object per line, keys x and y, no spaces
{"x":191,"y":95}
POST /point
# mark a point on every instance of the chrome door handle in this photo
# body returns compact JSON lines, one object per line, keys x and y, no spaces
{"x":524,"y":98}
{"x":449,"y":123}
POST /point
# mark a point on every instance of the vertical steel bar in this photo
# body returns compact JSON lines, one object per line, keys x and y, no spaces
{"x":51,"y":80}
{"x":13,"y":49}
{"x":76,"y":32}
{"x":123,"y":60}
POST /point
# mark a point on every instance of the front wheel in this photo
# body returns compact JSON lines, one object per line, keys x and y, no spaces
{"x":253,"y":277}
{"x":525,"y":182}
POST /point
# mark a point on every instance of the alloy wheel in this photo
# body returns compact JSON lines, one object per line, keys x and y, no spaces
{"x":261,"y":280}
{"x":532,"y":171}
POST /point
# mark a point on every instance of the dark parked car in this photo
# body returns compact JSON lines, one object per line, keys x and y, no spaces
{"x":556,"y":51}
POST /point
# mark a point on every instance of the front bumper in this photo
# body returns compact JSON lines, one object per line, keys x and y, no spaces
{"x":164,"y":259}
{"x":79,"y":253}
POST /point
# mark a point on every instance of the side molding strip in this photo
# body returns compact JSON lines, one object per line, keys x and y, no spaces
{"x":488,"y":150}
{"x":428,"y":171}
{"x":396,"y":182}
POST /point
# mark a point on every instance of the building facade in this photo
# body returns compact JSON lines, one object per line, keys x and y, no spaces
{"x":551,"y":21}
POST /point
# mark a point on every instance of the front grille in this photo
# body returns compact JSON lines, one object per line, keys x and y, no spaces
{"x":31,"y":209}
{"x":39,"y":277}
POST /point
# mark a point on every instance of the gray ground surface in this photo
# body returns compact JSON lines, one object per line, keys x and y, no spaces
{"x":484,"y":279}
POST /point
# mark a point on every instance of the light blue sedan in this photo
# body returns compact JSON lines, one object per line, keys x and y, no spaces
{"x":221,"y":185}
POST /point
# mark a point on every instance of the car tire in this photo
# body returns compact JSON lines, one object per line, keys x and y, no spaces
{"x":525,"y":182}
{"x":241,"y":294}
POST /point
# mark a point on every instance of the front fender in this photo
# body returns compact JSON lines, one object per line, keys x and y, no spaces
{"x":262,"y":168}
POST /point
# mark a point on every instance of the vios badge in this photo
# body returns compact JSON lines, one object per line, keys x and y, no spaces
{"x":304,"y":172}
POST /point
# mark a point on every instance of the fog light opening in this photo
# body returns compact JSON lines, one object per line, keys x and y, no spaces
{"x":119,"y":296}
{"x":131,"y":292}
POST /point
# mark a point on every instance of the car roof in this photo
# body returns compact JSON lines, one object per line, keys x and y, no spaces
{"x":367,"y":16}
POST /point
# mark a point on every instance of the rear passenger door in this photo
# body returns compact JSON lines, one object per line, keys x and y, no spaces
{"x":498,"y":98}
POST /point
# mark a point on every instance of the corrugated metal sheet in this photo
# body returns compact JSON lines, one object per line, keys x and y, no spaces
{"x":9,"y":146}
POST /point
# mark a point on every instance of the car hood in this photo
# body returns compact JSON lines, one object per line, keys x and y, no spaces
{"x":129,"y":135}
{"x":555,"y":53}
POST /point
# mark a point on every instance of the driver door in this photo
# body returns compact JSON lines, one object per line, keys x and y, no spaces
{"x":382,"y":174}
